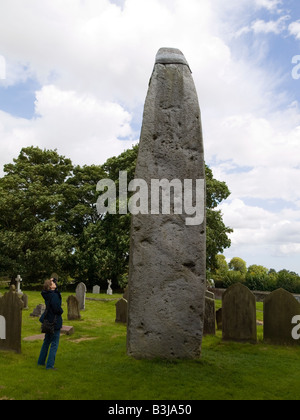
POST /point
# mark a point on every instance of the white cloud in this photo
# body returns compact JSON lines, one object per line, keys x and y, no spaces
{"x":79,"y":126}
{"x":271,"y":5}
{"x":272,"y":26}
{"x":294,"y":29}
{"x":260,"y":26}
{"x":274,"y":235}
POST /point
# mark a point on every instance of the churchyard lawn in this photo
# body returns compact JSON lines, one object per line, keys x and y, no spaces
{"x":92,"y":364}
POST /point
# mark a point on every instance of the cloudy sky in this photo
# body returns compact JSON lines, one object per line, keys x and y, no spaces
{"x":74,"y":76}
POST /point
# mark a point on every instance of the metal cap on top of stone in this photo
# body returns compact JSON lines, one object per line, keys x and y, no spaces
{"x":167,"y":257}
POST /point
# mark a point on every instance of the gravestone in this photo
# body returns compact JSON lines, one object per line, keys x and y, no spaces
{"x":167,"y":243}
{"x":121,"y":311}
{"x":239,"y":314}
{"x":73,"y":308}
{"x":11,"y":310}
{"x":38,"y":310}
{"x":18,"y":284}
{"x":96,"y":289}
{"x":210,"y":314}
{"x":80,"y":294}
{"x":24,"y":299}
{"x":280,"y":307}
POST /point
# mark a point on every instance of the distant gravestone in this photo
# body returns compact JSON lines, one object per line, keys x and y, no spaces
{"x":24,"y":299}
{"x":239,"y":314}
{"x":38,"y":310}
{"x":96,"y":289}
{"x":18,"y":284}
{"x":280,"y":307}
{"x":73,"y":308}
{"x":80,"y":294}
{"x":11,"y":310}
{"x":121,"y":311}
{"x":209,"y":314}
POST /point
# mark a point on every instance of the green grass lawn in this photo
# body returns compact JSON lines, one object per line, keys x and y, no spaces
{"x":93,"y":364}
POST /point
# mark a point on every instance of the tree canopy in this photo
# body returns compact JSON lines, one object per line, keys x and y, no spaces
{"x":49,"y":221}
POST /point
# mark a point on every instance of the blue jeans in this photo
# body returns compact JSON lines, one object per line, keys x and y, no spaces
{"x":54,"y":341}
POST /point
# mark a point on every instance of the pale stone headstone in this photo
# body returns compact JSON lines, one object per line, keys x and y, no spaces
{"x":11,"y":310}
{"x":96,"y":289}
{"x":18,"y":284}
{"x":280,"y":307}
{"x":239,"y":314}
{"x":168,"y":251}
{"x":121,"y":310}
{"x":38,"y":310}
{"x":73,"y":308}
{"x":80,"y":294}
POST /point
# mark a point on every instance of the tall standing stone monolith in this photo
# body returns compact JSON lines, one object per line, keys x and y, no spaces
{"x":168,"y":248}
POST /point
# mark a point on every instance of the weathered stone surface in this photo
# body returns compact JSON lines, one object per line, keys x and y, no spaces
{"x":11,"y":310}
{"x":73,"y":308}
{"x":80,"y":294}
{"x":167,"y":257}
{"x":121,"y":310}
{"x":210,"y":314}
{"x":280,"y":307}
{"x":239,"y":314}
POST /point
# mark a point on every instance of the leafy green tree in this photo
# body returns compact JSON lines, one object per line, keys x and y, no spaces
{"x":32,"y":238}
{"x":289,"y":281}
{"x":237,"y":272}
{"x":257,"y":277}
{"x":217,"y":238}
{"x":238,"y":264}
{"x":221,"y":270}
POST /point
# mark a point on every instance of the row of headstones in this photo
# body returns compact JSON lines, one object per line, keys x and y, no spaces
{"x":96,"y":289}
{"x":281,"y":311}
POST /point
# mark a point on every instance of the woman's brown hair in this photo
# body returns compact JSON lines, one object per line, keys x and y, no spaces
{"x":47,"y":284}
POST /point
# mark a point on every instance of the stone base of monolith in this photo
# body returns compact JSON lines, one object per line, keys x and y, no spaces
{"x":167,"y":254}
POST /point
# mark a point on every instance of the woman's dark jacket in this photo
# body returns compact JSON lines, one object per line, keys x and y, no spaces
{"x":53,"y":303}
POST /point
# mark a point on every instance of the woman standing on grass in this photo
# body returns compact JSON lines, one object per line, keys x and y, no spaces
{"x":54,"y":310}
